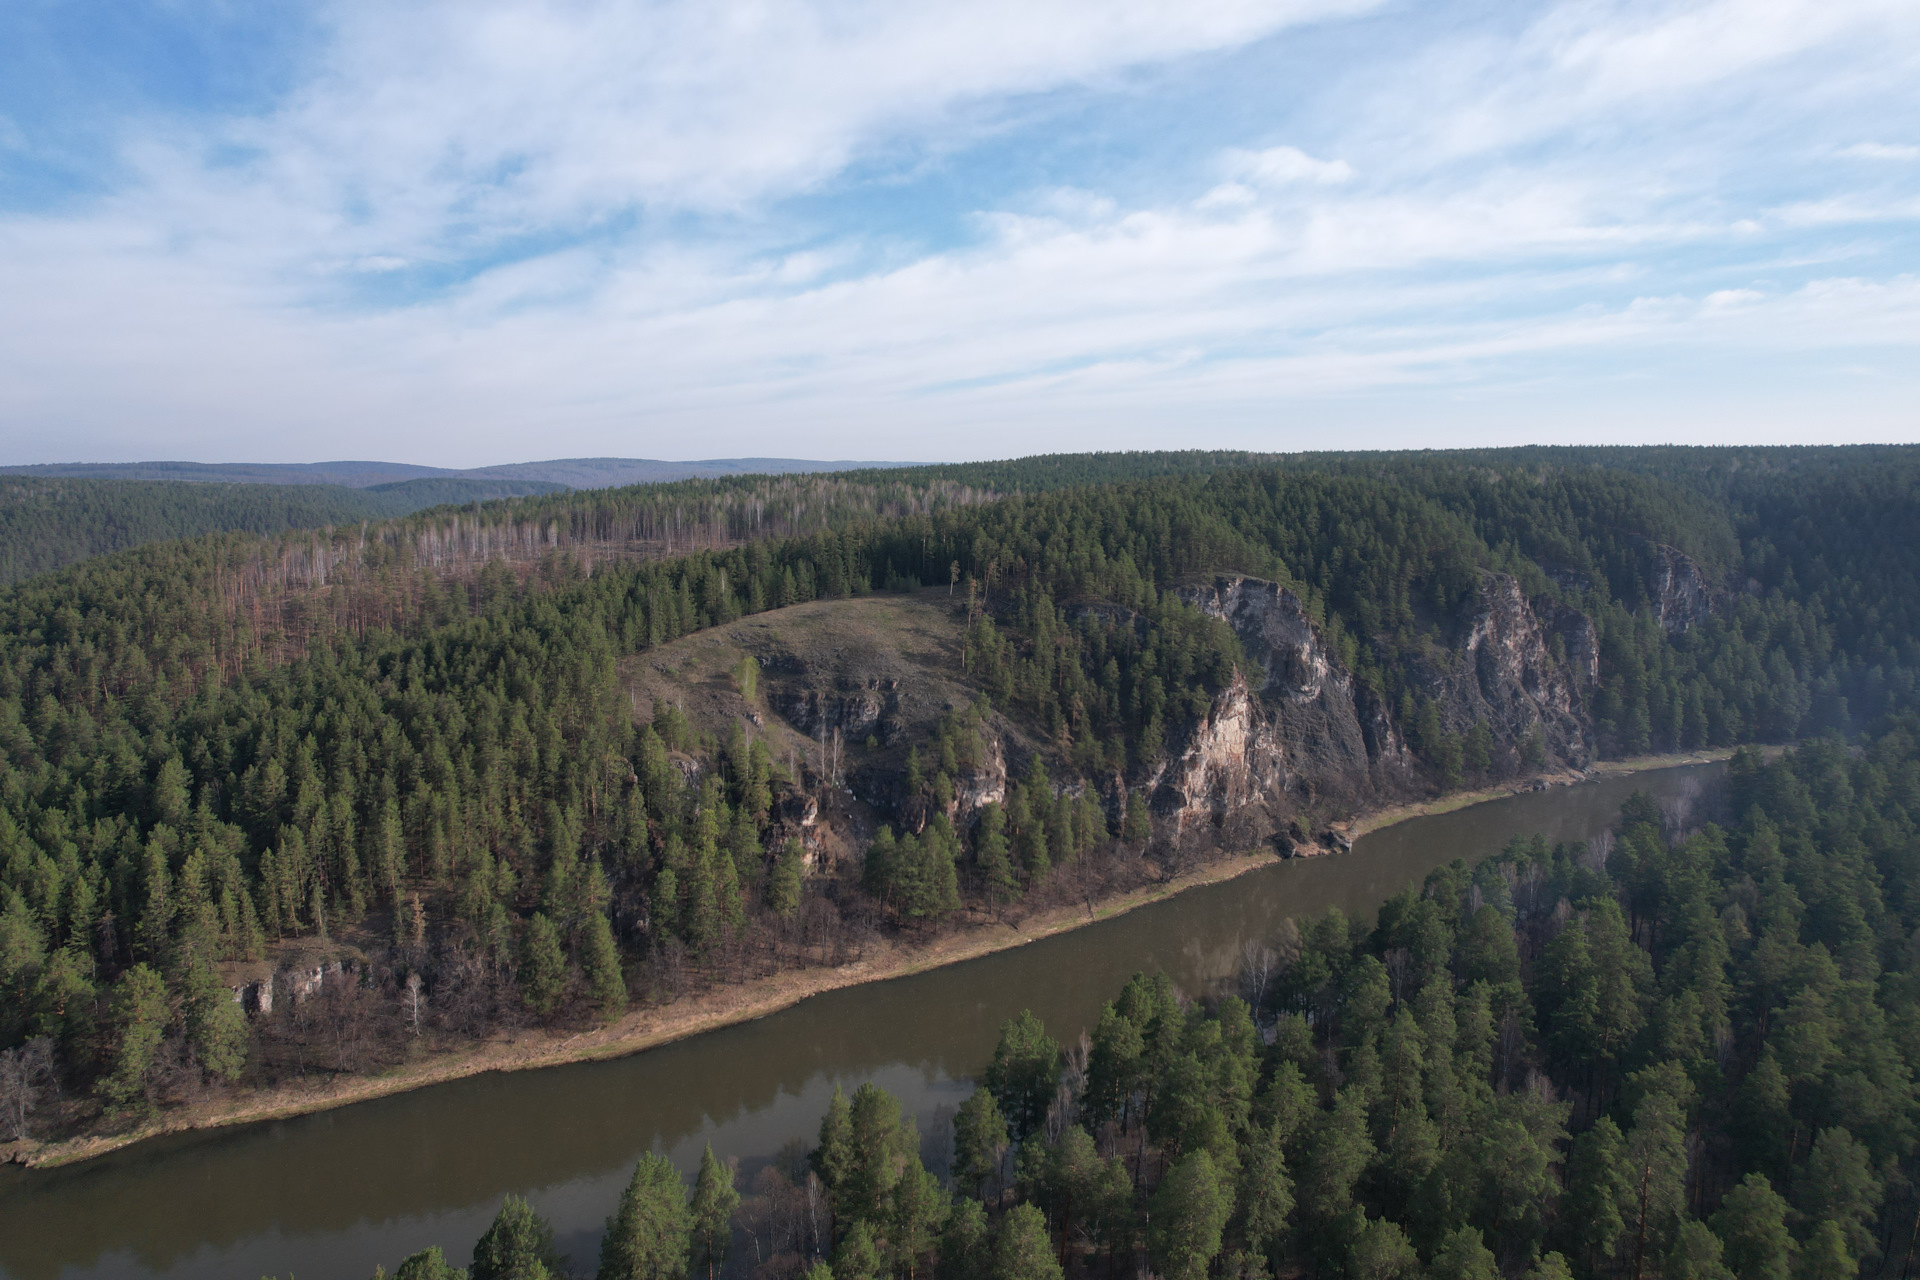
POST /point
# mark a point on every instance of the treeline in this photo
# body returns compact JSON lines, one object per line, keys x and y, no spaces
{"x":1682,"y":1051}
{"x":46,"y":524}
{"x":49,"y":523}
{"x":455,"y":763}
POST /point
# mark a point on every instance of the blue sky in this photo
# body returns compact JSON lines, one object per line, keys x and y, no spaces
{"x":488,"y":230}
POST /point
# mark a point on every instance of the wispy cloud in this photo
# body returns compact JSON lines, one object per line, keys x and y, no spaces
{"x":474,"y":232}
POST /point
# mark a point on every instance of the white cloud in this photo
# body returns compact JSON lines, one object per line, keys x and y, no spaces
{"x":1476,"y":217}
{"x":1881,"y":151}
{"x":1278,"y":166}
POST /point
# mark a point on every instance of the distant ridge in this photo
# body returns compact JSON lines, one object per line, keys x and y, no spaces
{"x":574,"y":473}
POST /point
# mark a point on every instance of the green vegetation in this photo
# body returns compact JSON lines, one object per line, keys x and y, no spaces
{"x":405,"y":758}
{"x":46,"y":524}
{"x":1685,"y":1051}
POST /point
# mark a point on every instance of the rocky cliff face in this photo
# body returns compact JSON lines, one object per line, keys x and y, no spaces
{"x":1679,"y":590}
{"x":1298,"y":741}
{"x":1500,"y":669}
{"x":1303,"y":738}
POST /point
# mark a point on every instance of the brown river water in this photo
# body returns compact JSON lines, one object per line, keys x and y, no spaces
{"x":334,"y":1194}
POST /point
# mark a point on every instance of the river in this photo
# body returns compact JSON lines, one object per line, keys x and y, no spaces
{"x":331,"y":1195}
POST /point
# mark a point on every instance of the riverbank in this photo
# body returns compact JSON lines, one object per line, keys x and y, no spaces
{"x":728,"y":1005}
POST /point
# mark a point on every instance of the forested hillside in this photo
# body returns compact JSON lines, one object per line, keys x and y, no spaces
{"x":46,"y":524}
{"x":1686,"y":1051}
{"x":413,"y":750}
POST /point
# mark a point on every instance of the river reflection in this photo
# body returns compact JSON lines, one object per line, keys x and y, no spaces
{"x":332,"y":1195}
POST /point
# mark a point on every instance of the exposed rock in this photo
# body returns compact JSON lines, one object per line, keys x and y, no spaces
{"x":1501,"y":671}
{"x":1307,"y":736}
{"x":1582,"y":645}
{"x":1678,"y":589}
{"x":1299,"y":736}
{"x":856,"y":713}
{"x":987,"y":784}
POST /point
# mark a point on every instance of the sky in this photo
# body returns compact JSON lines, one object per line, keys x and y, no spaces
{"x":481,"y":231}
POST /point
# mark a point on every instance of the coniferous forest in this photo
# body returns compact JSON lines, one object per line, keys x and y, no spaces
{"x":1685,"y":1051}
{"x":402,"y":763}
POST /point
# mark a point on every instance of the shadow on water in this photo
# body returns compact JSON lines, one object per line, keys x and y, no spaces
{"x":333,"y":1194}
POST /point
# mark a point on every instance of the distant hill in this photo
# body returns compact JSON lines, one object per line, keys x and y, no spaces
{"x":59,"y":514}
{"x":573,"y":473}
{"x":47,"y":522}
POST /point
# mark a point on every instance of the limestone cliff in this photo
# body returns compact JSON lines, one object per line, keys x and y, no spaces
{"x":1296,"y":740}
{"x":1678,"y":590}
{"x":1499,"y":669}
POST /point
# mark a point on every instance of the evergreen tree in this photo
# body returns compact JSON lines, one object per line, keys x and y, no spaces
{"x":1752,"y":1221}
{"x":602,"y":964}
{"x":920,"y":1209}
{"x":136,"y":1024}
{"x":650,"y":1236}
{"x":1190,"y":1211}
{"x":428,"y":1264}
{"x":1825,"y":1255}
{"x":784,"y":884}
{"x":966,"y":1245}
{"x":858,"y":1255}
{"x":1381,"y":1251}
{"x":1463,"y":1256}
{"x":834,"y":1156}
{"x":1838,"y":1186}
{"x":517,"y":1246}
{"x":1001,"y":883}
{"x":1022,"y":1251}
{"x":1696,"y":1254}
{"x":543,"y":966}
{"x":714,"y":1202}
{"x":980,"y":1141}
{"x":1598,"y":1191}
{"x":1023,"y":1074}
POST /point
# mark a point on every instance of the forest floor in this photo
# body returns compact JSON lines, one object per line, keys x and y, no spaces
{"x":727,"y":1004}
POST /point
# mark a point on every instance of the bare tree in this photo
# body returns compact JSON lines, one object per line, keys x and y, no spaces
{"x":26,"y":1076}
{"x":414,"y":1002}
{"x":1258,"y":968}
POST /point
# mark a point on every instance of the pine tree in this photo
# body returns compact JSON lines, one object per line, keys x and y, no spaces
{"x":1190,"y":1211}
{"x":1023,"y":1074}
{"x":1753,"y":1222}
{"x":1695,"y":1254}
{"x":1837,"y":1185}
{"x":784,"y":885}
{"x":216,"y":1026}
{"x":1022,"y":1251}
{"x":714,"y":1202}
{"x":1825,"y":1255}
{"x":543,"y":966}
{"x":1463,"y":1256}
{"x":428,"y":1264}
{"x":650,"y":1235}
{"x":1381,"y":1251}
{"x":1000,"y":881}
{"x":1266,"y":1192}
{"x":858,"y":1255}
{"x":920,"y":1209}
{"x":517,"y":1246}
{"x":979,"y":1141}
{"x":833,"y":1157}
{"x":601,"y":961}
{"x":1598,"y":1190}
{"x":138,"y":1019}
{"x":966,"y":1245}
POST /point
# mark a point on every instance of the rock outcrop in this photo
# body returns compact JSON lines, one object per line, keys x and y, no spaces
{"x":1500,"y":670}
{"x":1296,"y":740}
{"x":1301,"y":736}
{"x":1678,"y":590}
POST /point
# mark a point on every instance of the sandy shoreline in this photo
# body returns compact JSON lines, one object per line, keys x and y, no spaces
{"x":724,"y":1006}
